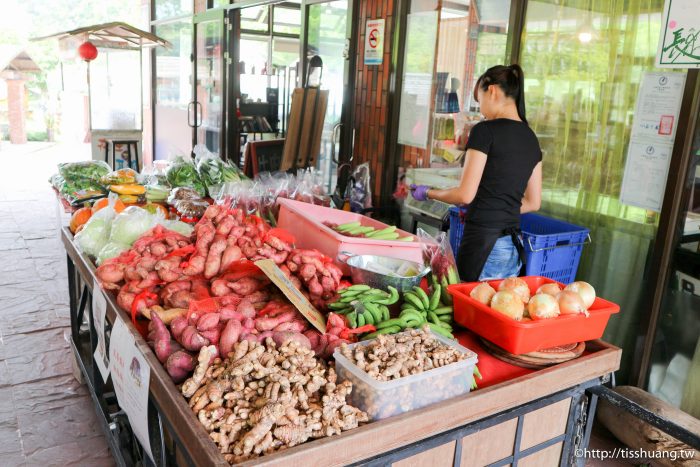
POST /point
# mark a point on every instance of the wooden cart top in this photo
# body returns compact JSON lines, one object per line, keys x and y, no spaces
{"x":376,"y":437}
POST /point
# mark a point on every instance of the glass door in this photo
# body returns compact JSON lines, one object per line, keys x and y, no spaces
{"x":207,"y":112}
{"x":327,"y":29}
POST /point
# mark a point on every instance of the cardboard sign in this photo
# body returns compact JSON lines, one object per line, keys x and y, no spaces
{"x":131,"y":377}
{"x":99,"y":311}
{"x":298,"y":299}
{"x":374,"y":42}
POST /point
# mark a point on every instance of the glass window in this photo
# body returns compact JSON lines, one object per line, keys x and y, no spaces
{"x":285,"y":52}
{"x":437,"y":108}
{"x":583,"y":62}
{"x":173,"y":90}
{"x":286,"y":20}
{"x":171,"y":8}
{"x":255,"y":19}
{"x":254,"y":54}
{"x":115,"y":93}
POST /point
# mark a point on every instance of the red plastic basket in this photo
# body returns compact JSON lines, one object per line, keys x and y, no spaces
{"x":519,"y":337}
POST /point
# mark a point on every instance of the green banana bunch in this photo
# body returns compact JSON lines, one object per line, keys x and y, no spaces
{"x":430,"y":307}
{"x":362,"y":304}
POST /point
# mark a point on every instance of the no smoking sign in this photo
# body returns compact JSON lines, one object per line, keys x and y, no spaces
{"x":374,"y":42}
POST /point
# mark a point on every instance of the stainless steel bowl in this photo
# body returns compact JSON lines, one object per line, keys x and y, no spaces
{"x":382,"y":271}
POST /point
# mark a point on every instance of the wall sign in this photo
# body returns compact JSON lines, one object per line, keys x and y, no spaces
{"x":679,"y":44}
{"x":131,"y":376}
{"x":651,"y":141}
{"x":374,"y":42}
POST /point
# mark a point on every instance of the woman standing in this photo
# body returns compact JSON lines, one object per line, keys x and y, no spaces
{"x":502,"y":178}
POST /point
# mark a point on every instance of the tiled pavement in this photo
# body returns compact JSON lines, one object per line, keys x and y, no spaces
{"x":46,"y":416}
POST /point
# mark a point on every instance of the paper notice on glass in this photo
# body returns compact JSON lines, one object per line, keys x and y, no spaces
{"x":99,"y":311}
{"x":646,"y":170}
{"x":658,"y":104}
{"x":679,"y":41}
{"x":131,"y":376}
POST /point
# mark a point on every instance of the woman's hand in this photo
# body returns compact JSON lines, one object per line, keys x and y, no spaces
{"x":420,"y":192}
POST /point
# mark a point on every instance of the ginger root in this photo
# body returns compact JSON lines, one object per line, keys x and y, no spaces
{"x":263,"y":397}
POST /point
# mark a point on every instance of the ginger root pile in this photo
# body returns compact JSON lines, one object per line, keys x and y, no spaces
{"x":390,"y":357}
{"x":262,"y":398}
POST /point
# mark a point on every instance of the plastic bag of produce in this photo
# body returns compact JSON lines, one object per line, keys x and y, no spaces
{"x":96,"y":231}
{"x":437,"y":252}
{"x":131,"y":223}
{"x":111,"y":250}
{"x":361,"y":191}
{"x":90,"y":170}
{"x":119,"y":177}
{"x":213,"y":171}
{"x":183,"y":173}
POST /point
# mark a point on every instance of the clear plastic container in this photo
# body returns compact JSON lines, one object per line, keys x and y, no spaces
{"x":382,"y":399}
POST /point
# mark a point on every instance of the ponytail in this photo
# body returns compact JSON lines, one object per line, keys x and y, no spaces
{"x":510,"y":79}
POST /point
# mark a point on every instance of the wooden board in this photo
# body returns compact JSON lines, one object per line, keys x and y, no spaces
{"x":302,"y":123}
{"x":544,"y":424}
{"x":490,"y":445}
{"x":441,"y":456}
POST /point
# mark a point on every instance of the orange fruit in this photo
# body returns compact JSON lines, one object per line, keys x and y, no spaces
{"x":104,"y":202}
{"x":79,"y":217}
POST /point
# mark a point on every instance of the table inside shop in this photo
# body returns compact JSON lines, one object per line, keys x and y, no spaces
{"x":535,"y":417}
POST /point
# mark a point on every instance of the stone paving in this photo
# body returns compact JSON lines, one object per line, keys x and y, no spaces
{"x":46,"y":416}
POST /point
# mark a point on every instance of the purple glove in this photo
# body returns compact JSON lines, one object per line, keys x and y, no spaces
{"x":420,"y":192}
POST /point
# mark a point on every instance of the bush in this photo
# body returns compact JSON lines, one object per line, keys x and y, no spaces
{"x":37,"y":136}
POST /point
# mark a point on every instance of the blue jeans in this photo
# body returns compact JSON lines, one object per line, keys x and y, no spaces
{"x":503,"y":261}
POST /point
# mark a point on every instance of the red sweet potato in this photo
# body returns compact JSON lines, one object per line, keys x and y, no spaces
{"x":193,"y":340}
{"x":177,"y":326}
{"x":282,"y":338}
{"x":179,"y":365}
{"x":229,"y":336}
{"x":208,"y":321}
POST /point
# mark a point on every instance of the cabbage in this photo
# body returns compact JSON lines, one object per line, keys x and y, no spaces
{"x":111,"y":250}
{"x":178,"y":226}
{"x":96,"y":232}
{"x":130,"y":224}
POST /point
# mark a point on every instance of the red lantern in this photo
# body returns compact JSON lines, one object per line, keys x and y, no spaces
{"x":87,"y":51}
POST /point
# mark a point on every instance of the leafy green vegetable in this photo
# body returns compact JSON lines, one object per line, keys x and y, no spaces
{"x":95,"y":234}
{"x":214,"y":171}
{"x":86,"y":170}
{"x":111,"y":250}
{"x":130,"y":224}
{"x":182,"y":172}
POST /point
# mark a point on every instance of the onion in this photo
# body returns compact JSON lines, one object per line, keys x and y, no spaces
{"x":585,"y":290}
{"x":549,"y":289}
{"x":518,"y":286}
{"x":571,"y":303}
{"x":543,"y":306}
{"x":483,"y":293}
{"x":508,"y":303}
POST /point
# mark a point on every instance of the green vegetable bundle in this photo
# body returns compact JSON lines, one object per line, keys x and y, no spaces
{"x":80,"y":181}
{"x":214,"y":171}
{"x":81,"y":171}
{"x":182,"y":173}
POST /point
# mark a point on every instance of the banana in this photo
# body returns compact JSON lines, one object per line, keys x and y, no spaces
{"x":385,"y":312}
{"x":446,"y":297}
{"x":445,"y":318}
{"x":390,"y":323}
{"x":338,"y":306}
{"x":360,"y":320}
{"x":350,"y":299}
{"x":445,"y":325}
{"x":389,"y":330}
{"x":440,"y":330}
{"x":360,"y":287}
{"x":444,"y":310}
{"x":392,"y":298}
{"x":352,"y":318}
{"x":435,"y":298}
{"x":374,"y":311}
{"x":350,"y":293}
{"x":423,"y":296}
{"x":414,"y":300}
{"x":387,"y":236}
{"x":413,"y":316}
{"x":433,"y":318}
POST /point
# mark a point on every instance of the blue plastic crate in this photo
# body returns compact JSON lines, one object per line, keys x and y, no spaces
{"x":552,"y":247}
{"x":456,"y":227}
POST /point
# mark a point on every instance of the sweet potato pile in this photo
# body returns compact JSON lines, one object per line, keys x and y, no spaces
{"x":222,"y":297}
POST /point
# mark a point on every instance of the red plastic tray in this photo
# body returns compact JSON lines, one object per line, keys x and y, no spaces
{"x":519,"y":337}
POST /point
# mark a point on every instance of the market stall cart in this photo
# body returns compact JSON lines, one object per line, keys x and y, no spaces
{"x":537,"y":416}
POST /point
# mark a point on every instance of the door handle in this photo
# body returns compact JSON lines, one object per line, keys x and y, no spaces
{"x":335,"y":137}
{"x":198,"y":115}
{"x":191,"y":121}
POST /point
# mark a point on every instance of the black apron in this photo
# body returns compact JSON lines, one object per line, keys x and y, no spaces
{"x":476,"y":246}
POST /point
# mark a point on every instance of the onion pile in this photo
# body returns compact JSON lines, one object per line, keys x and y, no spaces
{"x":513,"y":299}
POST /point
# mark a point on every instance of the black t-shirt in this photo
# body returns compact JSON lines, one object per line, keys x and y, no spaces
{"x":512,"y":152}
